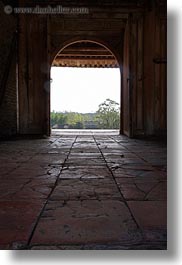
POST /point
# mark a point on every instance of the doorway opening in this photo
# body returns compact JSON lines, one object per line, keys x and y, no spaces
{"x":85,"y":88}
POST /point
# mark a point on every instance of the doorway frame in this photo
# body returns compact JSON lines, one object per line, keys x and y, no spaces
{"x":100,"y":43}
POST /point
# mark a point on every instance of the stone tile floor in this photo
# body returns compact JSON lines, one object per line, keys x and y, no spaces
{"x":83,"y":191}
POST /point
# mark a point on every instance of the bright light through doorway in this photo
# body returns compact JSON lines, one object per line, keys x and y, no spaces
{"x":83,"y":89}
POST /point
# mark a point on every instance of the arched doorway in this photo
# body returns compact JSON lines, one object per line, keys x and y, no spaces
{"x":92,"y":56}
{"x":123,"y":35}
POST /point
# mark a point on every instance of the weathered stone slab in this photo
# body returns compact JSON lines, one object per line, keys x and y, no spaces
{"x":17,"y":220}
{"x":84,"y":161}
{"x":85,"y":150}
{"x":85,"y":188}
{"x":85,"y":172}
{"x":131,"y":192}
{"x":86,"y":209}
{"x":86,"y":222}
{"x":158,"y":193}
{"x":74,"y":155}
{"x":151,"y":216}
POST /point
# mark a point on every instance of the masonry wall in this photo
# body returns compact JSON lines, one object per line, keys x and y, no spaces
{"x":8,"y":95}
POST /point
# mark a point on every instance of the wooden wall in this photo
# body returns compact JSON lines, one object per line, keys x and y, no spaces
{"x":155,"y":85}
{"x":144,"y":90}
{"x":33,"y":75}
{"x":8,"y":68}
{"x":137,"y":38}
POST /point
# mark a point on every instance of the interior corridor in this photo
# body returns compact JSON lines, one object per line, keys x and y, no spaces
{"x":87,"y":190}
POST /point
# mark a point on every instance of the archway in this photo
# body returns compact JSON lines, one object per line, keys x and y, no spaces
{"x":90,"y":55}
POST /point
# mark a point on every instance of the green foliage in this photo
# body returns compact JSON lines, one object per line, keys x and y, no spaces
{"x":75,"y":120}
{"x":58,"y":118}
{"x":107,"y":115}
{"x":71,"y":120}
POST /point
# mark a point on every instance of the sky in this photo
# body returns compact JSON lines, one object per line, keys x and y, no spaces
{"x":83,"y":89}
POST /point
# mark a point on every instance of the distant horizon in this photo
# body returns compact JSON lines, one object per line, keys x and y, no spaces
{"x":88,"y":88}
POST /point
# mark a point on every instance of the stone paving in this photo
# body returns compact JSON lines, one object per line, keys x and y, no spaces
{"x":83,"y":191}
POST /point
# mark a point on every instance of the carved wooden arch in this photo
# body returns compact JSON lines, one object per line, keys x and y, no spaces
{"x":71,"y":41}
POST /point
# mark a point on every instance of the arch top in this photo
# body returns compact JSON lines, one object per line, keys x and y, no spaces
{"x":85,"y":52}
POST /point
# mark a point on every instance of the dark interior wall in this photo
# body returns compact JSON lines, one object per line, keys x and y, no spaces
{"x":33,"y":74}
{"x":155,"y":86}
{"x":125,"y":84}
{"x":143,"y":66}
{"x":40,"y":38}
{"x":8,"y":94}
{"x":144,"y":72}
